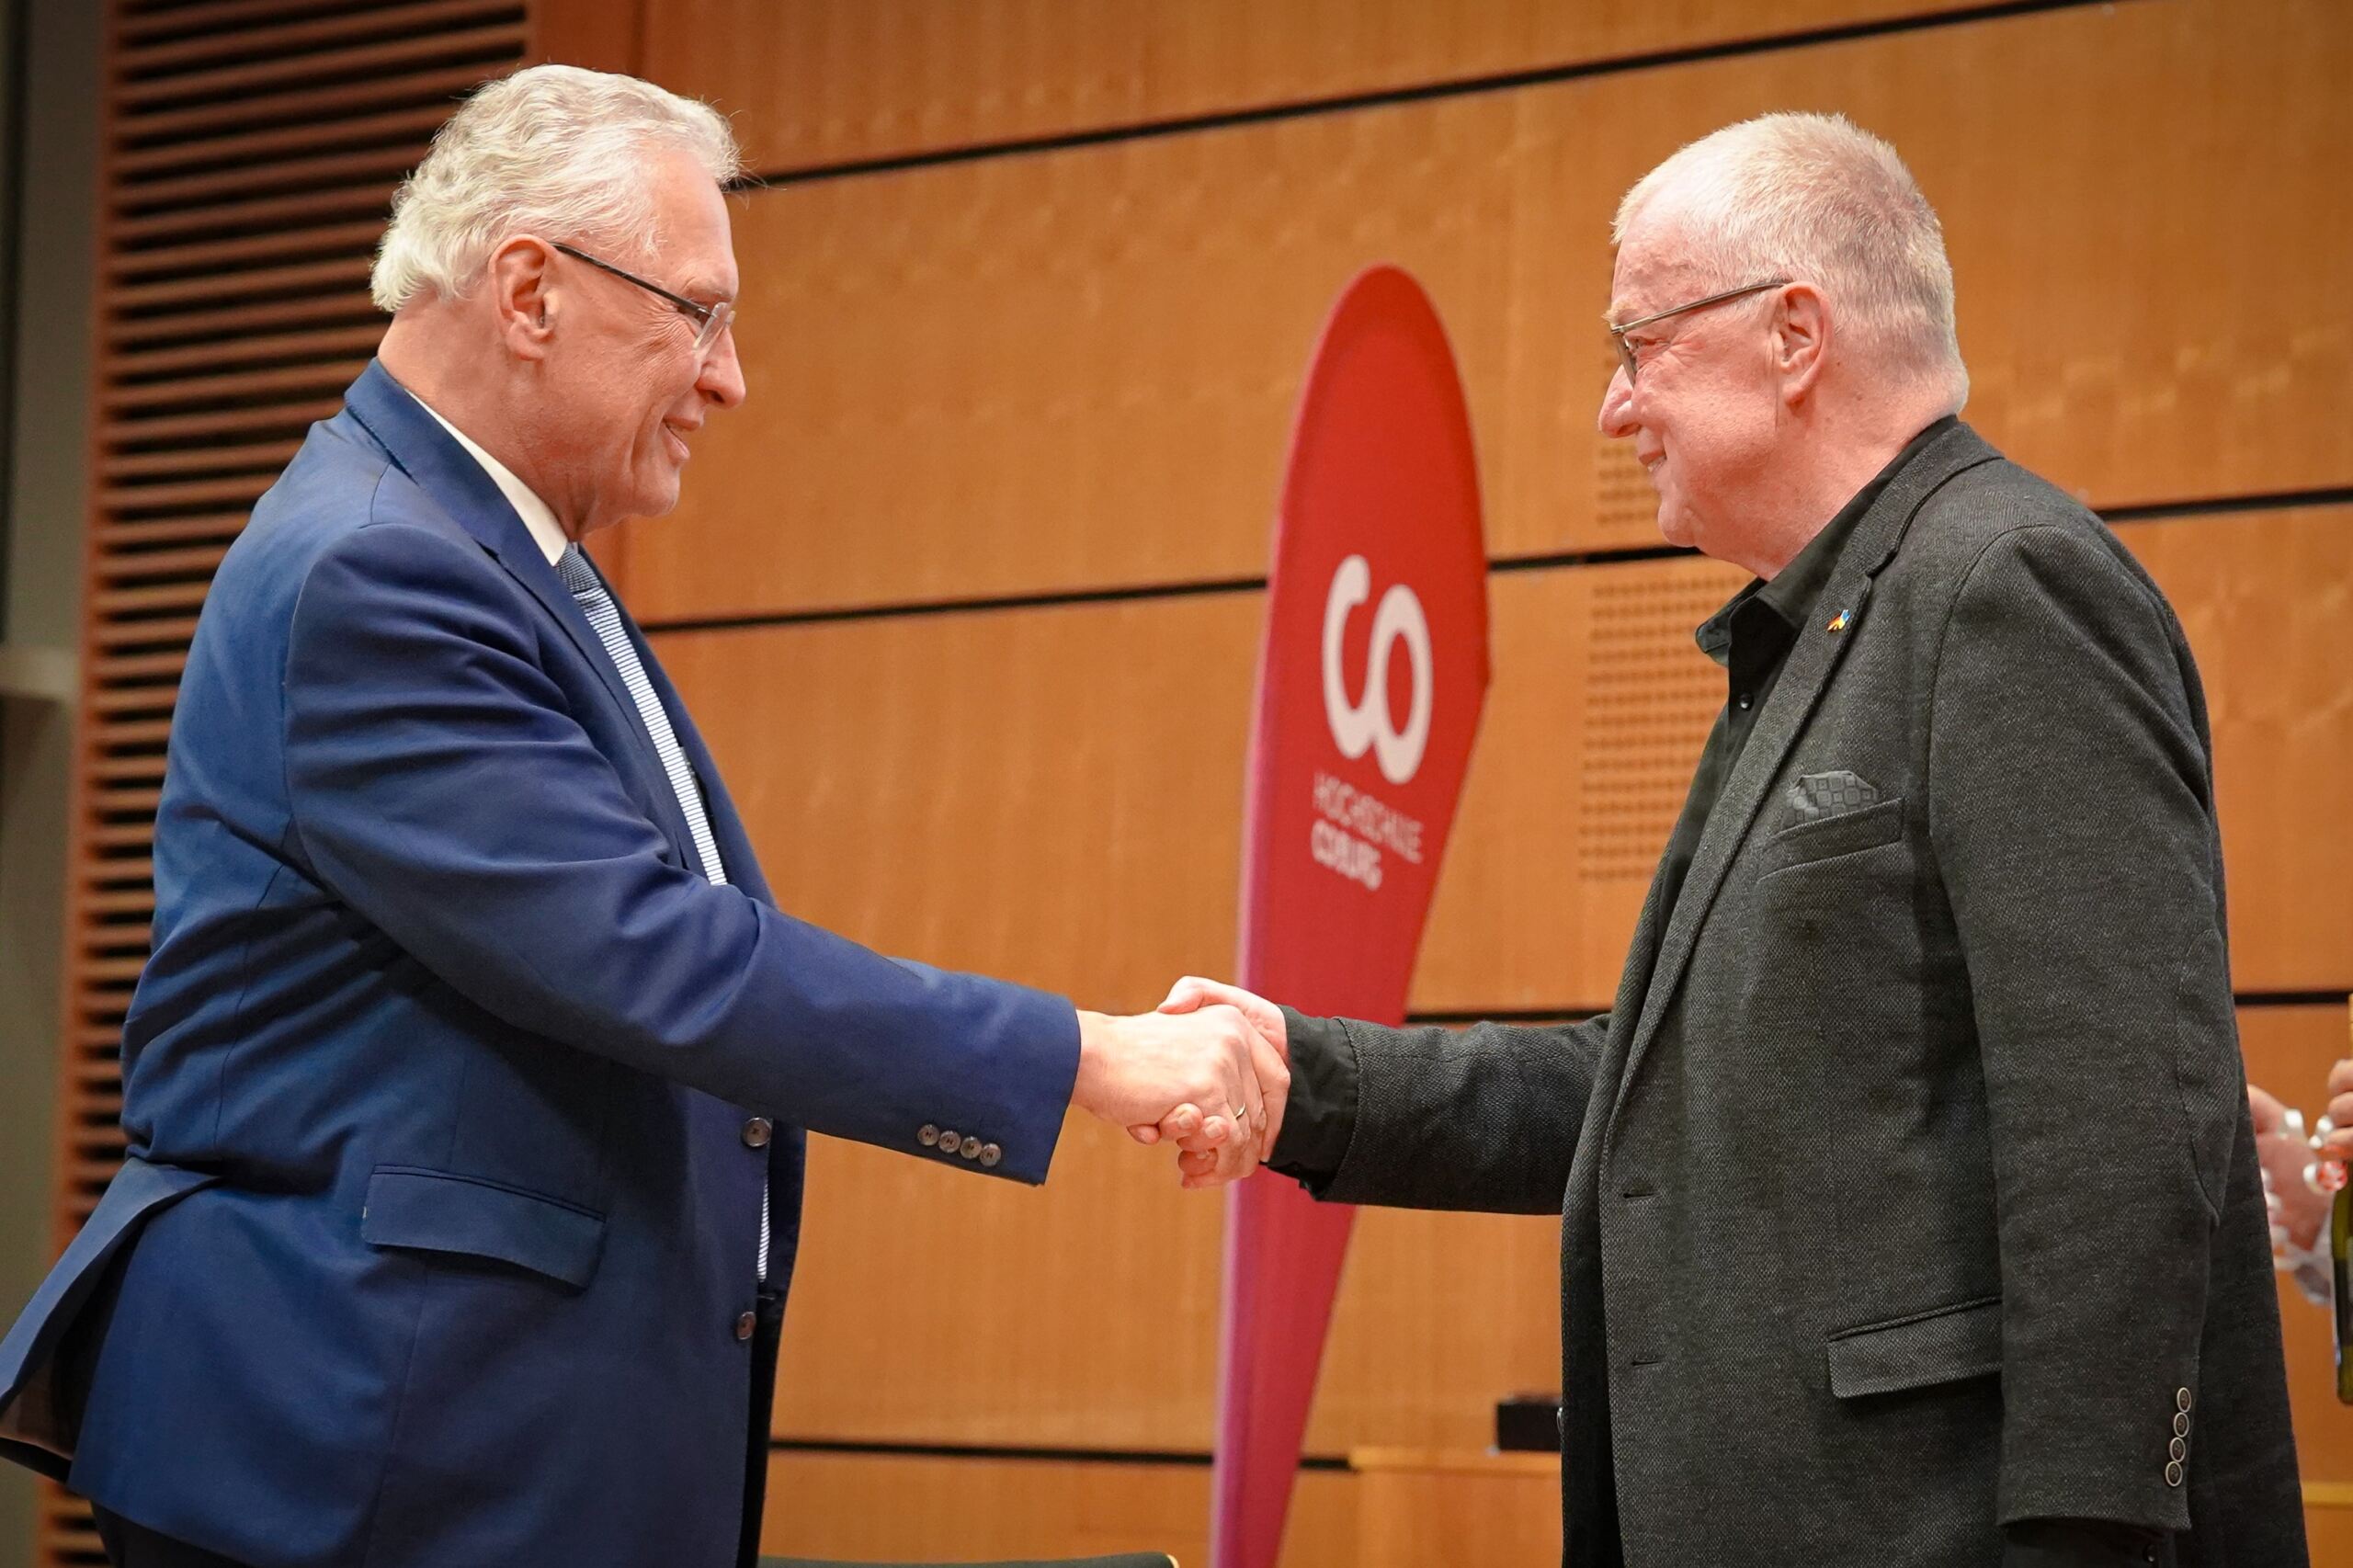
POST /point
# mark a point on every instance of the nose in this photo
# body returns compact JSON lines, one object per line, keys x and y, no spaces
{"x":721,"y":379}
{"x":1617,"y":417}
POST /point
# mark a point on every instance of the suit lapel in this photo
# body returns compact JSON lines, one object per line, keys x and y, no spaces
{"x":1812,"y":660}
{"x":726,"y":826}
{"x":449,"y":473}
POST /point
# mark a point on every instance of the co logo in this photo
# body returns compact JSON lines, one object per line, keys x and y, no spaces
{"x":1362,"y":725}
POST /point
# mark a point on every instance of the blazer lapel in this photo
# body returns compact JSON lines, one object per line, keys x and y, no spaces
{"x":449,"y":473}
{"x":1812,"y":661}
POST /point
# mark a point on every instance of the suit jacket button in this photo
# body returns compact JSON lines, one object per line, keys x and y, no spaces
{"x":2178,"y":1449}
{"x":745,"y":1324}
{"x":2173,"y":1473}
{"x":2181,"y":1400}
{"x":950,"y":1143}
{"x":971,"y":1150}
{"x":928,"y":1136}
{"x":2181,"y":1423}
{"x":990,"y":1154}
{"x":757,"y":1131}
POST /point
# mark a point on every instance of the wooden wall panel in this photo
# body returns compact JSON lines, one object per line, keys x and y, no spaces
{"x":1418,"y":1507}
{"x":1053,"y":793}
{"x":2267,"y":600}
{"x":846,"y":80}
{"x":2289,"y":1051}
{"x":924,"y":1509}
{"x":1007,"y":776}
{"x":1077,"y":368}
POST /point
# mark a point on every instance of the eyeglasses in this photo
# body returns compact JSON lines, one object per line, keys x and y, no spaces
{"x":710,"y":320}
{"x":1626,"y":350}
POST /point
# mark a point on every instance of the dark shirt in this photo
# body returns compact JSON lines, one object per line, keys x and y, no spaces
{"x":1750,"y":637}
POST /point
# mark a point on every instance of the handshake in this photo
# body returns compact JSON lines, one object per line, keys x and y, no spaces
{"x":1208,"y":1072}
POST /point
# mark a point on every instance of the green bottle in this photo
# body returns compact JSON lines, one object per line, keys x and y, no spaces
{"x":2341,"y":1285}
{"x":2340,"y":1257}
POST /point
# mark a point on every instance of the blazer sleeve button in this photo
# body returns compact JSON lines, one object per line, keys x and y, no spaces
{"x":990,"y":1154}
{"x":928,"y":1136}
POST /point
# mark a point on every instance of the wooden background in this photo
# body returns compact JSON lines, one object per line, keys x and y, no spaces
{"x":967,"y":596}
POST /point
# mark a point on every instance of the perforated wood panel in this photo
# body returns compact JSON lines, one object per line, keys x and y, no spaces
{"x":1651,"y":697}
{"x":1077,"y":368}
{"x":250,"y":152}
{"x":837,"y":81}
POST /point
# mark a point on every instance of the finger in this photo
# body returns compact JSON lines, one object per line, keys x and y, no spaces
{"x":1274,"y":1090}
{"x":1183,"y":1122}
{"x":2340,"y":1110}
{"x":2340,"y":1077}
{"x":1186,"y":995}
{"x":1146,"y":1134}
{"x":2266,"y":1110}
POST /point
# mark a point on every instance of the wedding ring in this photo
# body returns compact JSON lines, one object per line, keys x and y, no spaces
{"x":1240,"y":1115}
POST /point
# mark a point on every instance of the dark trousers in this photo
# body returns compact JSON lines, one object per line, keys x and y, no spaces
{"x":132,"y":1545}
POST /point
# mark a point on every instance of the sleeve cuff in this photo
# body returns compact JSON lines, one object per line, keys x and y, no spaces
{"x":1322,"y":1115}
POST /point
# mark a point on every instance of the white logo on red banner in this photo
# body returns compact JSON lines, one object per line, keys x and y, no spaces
{"x":1364,"y":725}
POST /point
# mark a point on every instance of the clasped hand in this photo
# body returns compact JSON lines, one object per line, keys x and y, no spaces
{"x":1208,"y":1072}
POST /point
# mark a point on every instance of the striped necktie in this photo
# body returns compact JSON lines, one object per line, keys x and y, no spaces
{"x":605,"y":616}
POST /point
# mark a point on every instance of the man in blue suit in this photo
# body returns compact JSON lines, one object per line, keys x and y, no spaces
{"x":468,"y":1082}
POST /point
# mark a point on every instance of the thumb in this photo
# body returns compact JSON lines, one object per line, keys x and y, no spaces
{"x":1185,"y":995}
{"x":1144,"y":1133}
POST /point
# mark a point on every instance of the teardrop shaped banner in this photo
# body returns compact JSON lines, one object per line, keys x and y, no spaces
{"x":1369,"y":688}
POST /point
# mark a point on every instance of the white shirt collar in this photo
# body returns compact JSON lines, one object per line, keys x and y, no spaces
{"x":536,"y":515}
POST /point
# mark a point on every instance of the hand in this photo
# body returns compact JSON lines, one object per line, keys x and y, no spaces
{"x":1195,"y":1159}
{"x":2283,"y":1155}
{"x":1207,"y":1078}
{"x":2340,"y":1110}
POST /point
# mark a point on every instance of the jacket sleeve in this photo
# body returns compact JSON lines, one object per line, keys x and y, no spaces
{"x":439,"y":785}
{"x":2071,"y":813}
{"x":1484,"y":1118}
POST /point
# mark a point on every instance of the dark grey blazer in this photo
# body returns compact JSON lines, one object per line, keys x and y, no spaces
{"x":1945,"y":1212}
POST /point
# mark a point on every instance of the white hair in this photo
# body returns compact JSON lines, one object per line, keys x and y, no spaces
{"x":1815,"y":198}
{"x":553,"y":151}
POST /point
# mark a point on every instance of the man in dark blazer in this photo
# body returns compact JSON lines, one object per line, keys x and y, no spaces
{"x":1910,"y":1207}
{"x":467,"y":1084}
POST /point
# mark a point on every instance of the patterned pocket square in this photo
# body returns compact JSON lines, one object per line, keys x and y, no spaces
{"x":1815,"y":795}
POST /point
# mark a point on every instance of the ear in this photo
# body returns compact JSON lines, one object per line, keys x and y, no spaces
{"x":1800,"y":339}
{"x":523,"y":296}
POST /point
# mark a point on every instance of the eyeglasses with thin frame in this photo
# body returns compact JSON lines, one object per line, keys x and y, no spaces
{"x":710,"y":320}
{"x":1626,"y":351}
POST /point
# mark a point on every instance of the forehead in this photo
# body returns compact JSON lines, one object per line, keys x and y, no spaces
{"x":1653,"y":269}
{"x":698,"y":248}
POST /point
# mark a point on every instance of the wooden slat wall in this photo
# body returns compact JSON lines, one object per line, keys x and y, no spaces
{"x":250,"y":152}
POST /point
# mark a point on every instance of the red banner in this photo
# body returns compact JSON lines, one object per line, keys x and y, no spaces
{"x":1370,"y":688}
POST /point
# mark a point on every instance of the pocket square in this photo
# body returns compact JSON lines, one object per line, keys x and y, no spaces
{"x":1815,"y":795}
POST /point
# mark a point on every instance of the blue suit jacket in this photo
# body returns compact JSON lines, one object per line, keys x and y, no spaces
{"x":440,"y":1212}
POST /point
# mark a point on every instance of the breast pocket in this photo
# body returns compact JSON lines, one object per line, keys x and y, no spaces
{"x":441,"y":1211}
{"x":1828,"y":838}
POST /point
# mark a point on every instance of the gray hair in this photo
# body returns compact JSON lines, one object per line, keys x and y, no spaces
{"x":1813,"y":197}
{"x":553,"y":150}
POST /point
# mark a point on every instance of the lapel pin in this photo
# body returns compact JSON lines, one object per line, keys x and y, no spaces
{"x":1840,"y":621}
